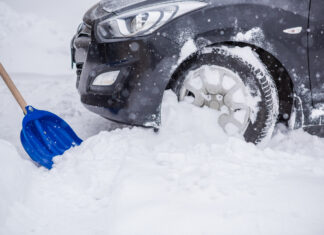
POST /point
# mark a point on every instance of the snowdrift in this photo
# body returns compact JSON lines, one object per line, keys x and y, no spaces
{"x":188,"y":179}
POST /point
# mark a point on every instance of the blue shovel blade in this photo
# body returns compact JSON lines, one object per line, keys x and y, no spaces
{"x":45,"y":135}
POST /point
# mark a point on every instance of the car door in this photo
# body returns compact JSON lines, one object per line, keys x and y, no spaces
{"x":316,"y":50}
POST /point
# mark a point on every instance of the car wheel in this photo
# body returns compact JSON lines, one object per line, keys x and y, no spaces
{"x":234,"y":82}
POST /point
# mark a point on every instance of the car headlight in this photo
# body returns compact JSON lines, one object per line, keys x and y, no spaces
{"x":146,"y":20}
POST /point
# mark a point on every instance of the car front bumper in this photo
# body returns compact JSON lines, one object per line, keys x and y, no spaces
{"x":145,"y":66}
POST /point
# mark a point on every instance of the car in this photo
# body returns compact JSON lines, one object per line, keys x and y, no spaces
{"x":258,"y":62}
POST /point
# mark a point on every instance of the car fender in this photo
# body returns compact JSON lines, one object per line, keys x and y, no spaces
{"x":234,"y":28}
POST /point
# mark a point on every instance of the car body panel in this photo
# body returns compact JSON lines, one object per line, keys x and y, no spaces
{"x":133,"y":99}
{"x":316,"y":50}
{"x":252,"y":24}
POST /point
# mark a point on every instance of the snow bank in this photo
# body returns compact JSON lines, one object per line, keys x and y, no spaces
{"x":29,"y":43}
{"x":188,"y":179}
{"x":15,"y":175}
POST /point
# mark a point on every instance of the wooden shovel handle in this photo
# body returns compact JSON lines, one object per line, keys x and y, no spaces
{"x":15,"y":92}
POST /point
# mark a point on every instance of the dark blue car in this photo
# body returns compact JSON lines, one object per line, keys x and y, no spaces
{"x":258,"y":62}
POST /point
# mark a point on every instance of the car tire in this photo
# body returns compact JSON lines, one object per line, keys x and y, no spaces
{"x":241,"y":64}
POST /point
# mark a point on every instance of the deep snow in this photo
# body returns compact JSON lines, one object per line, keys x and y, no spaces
{"x":190,"y":178}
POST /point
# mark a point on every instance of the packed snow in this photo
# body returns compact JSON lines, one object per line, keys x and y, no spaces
{"x":190,"y":178}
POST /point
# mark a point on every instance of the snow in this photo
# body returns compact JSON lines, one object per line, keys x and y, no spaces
{"x":14,"y":178}
{"x":190,"y":178}
{"x":251,"y":35}
{"x":317,"y":112}
{"x":254,"y":36}
{"x":188,"y":48}
{"x":33,"y":39}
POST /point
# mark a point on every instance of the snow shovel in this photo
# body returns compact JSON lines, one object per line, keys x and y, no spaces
{"x":44,"y":135}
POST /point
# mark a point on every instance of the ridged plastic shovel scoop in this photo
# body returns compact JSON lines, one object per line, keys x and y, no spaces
{"x":44,"y":135}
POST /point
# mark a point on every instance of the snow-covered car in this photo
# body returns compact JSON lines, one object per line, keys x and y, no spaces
{"x":258,"y":62}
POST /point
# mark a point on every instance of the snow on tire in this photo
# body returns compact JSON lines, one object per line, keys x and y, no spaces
{"x":251,"y":101}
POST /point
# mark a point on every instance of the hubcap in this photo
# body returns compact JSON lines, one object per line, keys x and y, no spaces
{"x":222,"y":90}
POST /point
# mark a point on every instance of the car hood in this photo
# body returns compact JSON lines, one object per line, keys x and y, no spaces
{"x":114,"y":5}
{"x":105,"y":7}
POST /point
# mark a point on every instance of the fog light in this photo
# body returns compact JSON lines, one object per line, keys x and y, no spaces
{"x":106,"y":79}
